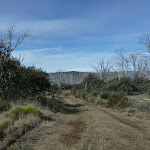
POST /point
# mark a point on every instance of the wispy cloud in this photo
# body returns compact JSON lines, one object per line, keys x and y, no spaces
{"x":72,"y":35}
{"x":66,"y":60}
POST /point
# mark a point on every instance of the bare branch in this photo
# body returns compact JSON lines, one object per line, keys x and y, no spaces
{"x":103,"y":69}
{"x":21,"y":38}
{"x":146,"y":41}
{"x":8,"y":38}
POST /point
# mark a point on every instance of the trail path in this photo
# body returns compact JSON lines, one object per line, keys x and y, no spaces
{"x":88,"y":127}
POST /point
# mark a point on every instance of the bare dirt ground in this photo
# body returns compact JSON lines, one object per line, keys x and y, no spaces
{"x":88,"y":127}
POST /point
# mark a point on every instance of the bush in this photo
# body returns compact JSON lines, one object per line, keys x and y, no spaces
{"x":17,"y":111}
{"x":95,"y":92}
{"x":16,"y":80}
{"x":123,"y":103}
{"x":127,"y":85}
{"x":113,"y":99}
{"x":30,"y":110}
{"x":112,"y":85}
{"x":4,"y":106}
{"x":118,"y":100}
{"x":91,"y":82}
{"x":104,"y":95}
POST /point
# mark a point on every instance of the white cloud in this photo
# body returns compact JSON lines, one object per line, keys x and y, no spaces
{"x":61,"y":27}
{"x":67,"y":60}
{"x":55,"y":56}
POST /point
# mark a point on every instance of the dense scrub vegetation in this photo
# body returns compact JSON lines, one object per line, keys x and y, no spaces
{"x":110,"y":93}
{"x":17,"y":80}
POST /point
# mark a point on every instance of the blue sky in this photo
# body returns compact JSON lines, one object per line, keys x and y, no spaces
{"x":72,"y":35}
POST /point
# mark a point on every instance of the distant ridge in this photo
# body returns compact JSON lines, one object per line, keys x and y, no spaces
{"x":70,"y":77}
{"x":75,"y":77}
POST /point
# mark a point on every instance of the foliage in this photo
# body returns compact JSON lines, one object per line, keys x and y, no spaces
{"x":123,"y":103}
{"x":118,"y":100}
{"x":114,"y":98}
{"x":127,"y":85}
{"x":91,"y":82}
{"x":17,"y":80}
{"x":17,"y":111}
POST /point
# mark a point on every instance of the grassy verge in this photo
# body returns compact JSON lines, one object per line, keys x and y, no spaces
{"x":19,"y":119}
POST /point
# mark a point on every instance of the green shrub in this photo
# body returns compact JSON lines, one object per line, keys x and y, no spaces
{"x":30,"y":110}
{"x":117,"y":100}
{"x":104,"y":95}
{"x":17,"y":80}
{"x":123,"y":103}
{"x":112,"y":85}
{"x":95,"y":92}
{"x":127,"y":85}
{"x":3,"y":125}
{"x":91,"y":82}
{"x":4,"y":106}
{"x":17,"y":111}
{"x":113,"y":99}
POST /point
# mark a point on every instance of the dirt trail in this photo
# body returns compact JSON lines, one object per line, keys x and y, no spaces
{"x":90,"y":127}
{"x":137,"y":125}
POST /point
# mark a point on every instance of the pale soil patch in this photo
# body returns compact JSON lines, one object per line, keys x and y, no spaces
{"x":91,"y":128}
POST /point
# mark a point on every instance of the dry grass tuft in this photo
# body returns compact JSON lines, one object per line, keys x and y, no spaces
{"x":24,"y":121}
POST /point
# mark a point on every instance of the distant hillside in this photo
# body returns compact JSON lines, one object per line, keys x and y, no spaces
{"x":72,"y":77}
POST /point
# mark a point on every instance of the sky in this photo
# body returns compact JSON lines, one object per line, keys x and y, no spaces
{"x":73,"y":35}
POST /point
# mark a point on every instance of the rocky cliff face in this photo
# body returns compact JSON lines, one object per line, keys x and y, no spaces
{"x":71,"y":78}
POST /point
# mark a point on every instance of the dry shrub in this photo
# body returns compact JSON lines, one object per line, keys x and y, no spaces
{"x":22,"y":122}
